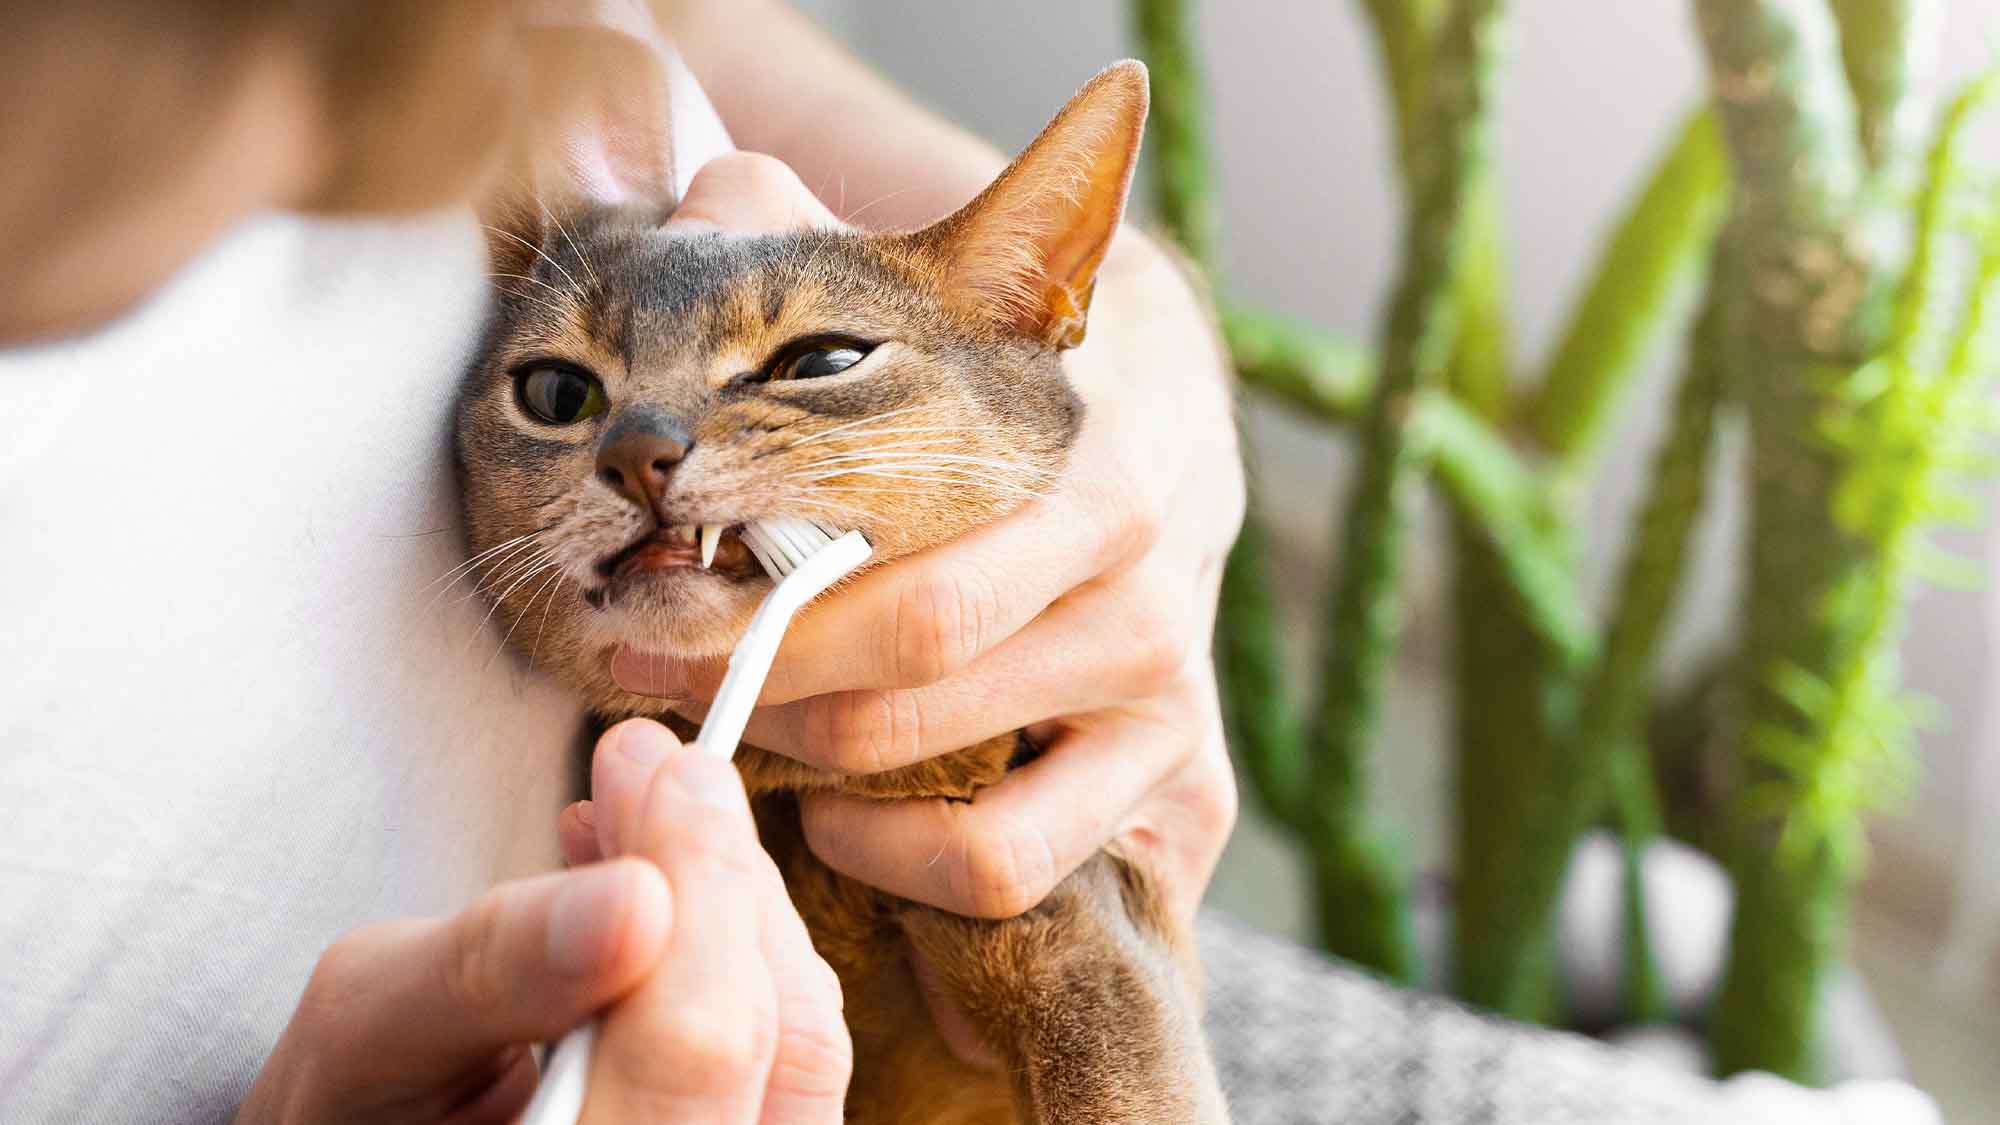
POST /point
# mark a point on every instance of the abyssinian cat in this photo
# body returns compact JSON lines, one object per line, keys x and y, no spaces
{"x":636,"y":384}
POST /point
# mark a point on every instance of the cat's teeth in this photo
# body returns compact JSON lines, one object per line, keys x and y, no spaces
{"x":711,"y":534}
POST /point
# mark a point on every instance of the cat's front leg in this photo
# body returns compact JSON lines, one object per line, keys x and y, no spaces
{"x":1090,"y":1000}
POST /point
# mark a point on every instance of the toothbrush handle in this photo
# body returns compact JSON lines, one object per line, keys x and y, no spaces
{"x":559,"y":1098}
{"x":749,"y":664}
{"x":750,"y":661}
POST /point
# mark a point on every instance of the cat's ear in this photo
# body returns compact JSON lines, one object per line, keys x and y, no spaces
{"x":1026,"y":250}
{"x":598,"y":123}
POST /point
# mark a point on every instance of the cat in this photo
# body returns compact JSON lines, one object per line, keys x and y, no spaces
{"x":633,"y":385}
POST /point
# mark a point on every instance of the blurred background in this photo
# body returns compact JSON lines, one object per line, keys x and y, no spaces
{"x":1310,"y":208}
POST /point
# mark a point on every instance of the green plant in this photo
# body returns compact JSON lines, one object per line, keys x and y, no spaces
{"x":1846,"y":287}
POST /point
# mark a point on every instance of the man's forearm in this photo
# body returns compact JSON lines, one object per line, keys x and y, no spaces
{"x":786,"y":88}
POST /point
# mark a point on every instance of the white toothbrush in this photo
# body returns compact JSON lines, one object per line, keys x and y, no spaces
{"x":805,"y":556}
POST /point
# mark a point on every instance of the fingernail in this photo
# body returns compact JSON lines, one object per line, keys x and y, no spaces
{"x":709,"y":781}
{"x":586,"y":813}
{"x":644,"y":743}
{"x":649,"y":673}
{"x":584,"y":920}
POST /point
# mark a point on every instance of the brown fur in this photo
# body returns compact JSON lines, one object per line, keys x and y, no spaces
{"x":1088,"y":1000}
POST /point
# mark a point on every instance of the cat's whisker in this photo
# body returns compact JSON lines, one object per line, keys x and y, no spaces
{"x":501,"y":598}
{"x":820,"y":245}
{"x":935,"y":476}
{"x":536,"y":651}
{"x":549,"y":305}
{"x":539,"y":590}
{"x":950,"y":437}
{"x":1002,"y":486}
{"x":866,"y":490}
{"x":939,"y":444}
{"x":941,"y":433}
{"x":492,"y":567}
{"x":413,"y":534}
{"x":513,"y":569}
{"x":502,"y":573}
{"x":928,"y":453}
{"x":530,"y":280}
{"x":445,"y":581}
{"x":872,"y":418}
{"x":530,"y":506}
{"x":960,"y":430}
{"x":825,"y":504}
{"x":478,"y":558}
{"x":876,"y":202}
{"x":541,"y":253}
{"x":891,"y":456}
{"x":927,"y":463}
{"x":809,"y":499}
{"x":898,"y":458}
{"x":574,"y":248}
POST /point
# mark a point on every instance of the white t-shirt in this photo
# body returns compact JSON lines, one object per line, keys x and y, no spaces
{"x":243,"y":709}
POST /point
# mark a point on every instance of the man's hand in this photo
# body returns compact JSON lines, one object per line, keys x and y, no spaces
{"x":1084,"y":617}
{"x":742,"y":1020}
{"x":719,"y":1010}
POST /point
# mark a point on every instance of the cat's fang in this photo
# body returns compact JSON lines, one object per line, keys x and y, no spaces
{"x":711,"y":534}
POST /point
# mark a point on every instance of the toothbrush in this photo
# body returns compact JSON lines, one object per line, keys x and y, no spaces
{"x":805,"y":557}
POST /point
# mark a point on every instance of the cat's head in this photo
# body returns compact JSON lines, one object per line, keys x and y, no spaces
{"x":637,"y":383}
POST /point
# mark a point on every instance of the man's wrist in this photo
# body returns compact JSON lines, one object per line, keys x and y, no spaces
{"x":1146,"y":276}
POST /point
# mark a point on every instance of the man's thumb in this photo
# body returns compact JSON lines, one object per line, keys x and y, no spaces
{"x":526,"y":962}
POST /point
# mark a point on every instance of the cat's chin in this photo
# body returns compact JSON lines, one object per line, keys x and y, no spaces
{"x":683,"y":612}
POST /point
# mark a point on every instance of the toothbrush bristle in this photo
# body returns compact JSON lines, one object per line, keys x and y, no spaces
{"x":754,"y":539}
{"x":784,"y":545}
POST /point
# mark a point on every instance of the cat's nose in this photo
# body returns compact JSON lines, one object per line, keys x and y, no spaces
{"x":638,"y":452}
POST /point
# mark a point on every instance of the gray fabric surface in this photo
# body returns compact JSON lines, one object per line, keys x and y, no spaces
{"x":1298,"y":1038}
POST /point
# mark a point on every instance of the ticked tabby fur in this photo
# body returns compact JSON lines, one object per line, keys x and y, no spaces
{"x":907,"y":385}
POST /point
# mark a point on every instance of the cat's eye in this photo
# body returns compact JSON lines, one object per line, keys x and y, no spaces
{"x":560,"y":396}
{"x":817,"y":362}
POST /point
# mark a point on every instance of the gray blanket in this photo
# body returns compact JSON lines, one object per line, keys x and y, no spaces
{"x":1298,"y":1039}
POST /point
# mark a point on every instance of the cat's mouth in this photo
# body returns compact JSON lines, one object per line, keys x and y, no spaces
{"x":681,"y":546}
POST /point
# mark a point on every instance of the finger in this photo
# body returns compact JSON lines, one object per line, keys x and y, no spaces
{"x":621,"y":772}
{"x":527,"y":961}
{"x":927,"y":616}
{"x":748,"y":193}
{"x":814,"y":1057}
{"x":808,"y":1077}
{"x":696,"y":1040}
{"x":576,"y":831}
{"x":1105,"y":644}
{"x":501,"y":1097}
{"x":1002,"y":852}
{"x":1178,"y":830}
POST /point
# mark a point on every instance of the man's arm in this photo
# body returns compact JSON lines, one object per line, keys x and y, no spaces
{"x":785,"y":88}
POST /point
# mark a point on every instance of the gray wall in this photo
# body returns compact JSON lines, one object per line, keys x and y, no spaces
{"x":1594,"y":90}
